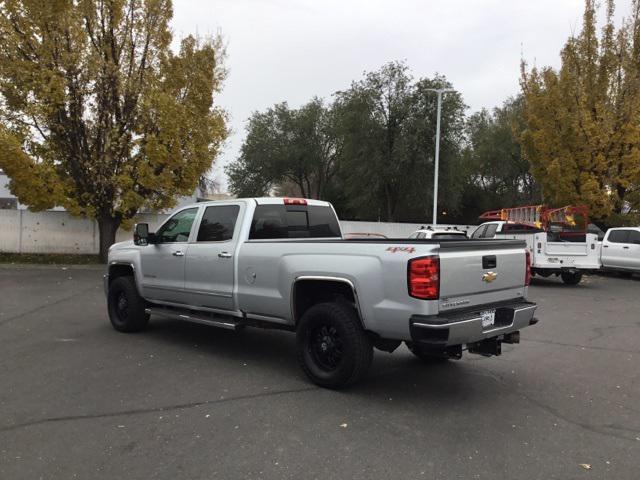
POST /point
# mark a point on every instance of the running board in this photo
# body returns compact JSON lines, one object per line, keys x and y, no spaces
{"x":191,"y":317}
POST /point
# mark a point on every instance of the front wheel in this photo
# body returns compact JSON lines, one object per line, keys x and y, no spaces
{"x":333,"y":349}
{"x":126,"y":307}
{"x":571,"y":278}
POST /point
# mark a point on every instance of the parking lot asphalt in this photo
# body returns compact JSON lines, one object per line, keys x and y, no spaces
{"x":186,"y":401}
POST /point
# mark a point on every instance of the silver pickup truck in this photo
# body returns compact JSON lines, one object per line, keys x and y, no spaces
{"x":282,"y":263}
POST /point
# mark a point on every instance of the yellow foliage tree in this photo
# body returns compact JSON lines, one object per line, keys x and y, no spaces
{"x":98,"y":114}
{"x":582,"y":132}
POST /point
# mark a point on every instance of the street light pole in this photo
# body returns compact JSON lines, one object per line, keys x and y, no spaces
{"x":439,"y":91}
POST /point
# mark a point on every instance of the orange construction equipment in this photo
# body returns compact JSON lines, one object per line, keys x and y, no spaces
{"x":573,"y":218}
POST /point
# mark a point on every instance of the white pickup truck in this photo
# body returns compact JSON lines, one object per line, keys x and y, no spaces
{"x":621,"y":250}
{"x":282,"y":263}
{"x":551,"y":253}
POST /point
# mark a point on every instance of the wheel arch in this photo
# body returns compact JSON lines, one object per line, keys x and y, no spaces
{"x":123,"y":269}
{"x":307,"y":291}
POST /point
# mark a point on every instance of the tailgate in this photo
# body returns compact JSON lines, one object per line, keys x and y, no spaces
{"x":479,"y":272}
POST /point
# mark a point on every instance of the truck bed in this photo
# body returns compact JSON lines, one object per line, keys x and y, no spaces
{"x":369,"y":265}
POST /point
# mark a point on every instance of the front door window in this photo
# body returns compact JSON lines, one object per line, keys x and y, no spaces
{"x":178,"y":227}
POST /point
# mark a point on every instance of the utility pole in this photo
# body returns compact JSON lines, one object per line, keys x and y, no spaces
{"x":439,"y":91}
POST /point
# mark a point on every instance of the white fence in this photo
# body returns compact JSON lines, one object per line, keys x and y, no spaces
{"x":22,"y":231}
{"x":391,"y":230}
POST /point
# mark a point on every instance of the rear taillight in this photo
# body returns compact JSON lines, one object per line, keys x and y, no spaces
{"x":295,"y":201}
{"x":527,"y":274}
{"x":424,"y":278}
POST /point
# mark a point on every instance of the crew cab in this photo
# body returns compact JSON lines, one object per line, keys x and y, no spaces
{"x":621,"y":250}
{"x":283,"y":263}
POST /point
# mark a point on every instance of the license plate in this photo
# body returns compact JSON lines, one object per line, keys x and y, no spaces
{"x":488,"y":318}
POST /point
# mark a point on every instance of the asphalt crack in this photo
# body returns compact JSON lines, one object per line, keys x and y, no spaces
{"x":600,"y":429}
{"x":4,"y":321}
{"x":589,"y":347}
{"x":159,"y":409}
{"x":600,"y":331}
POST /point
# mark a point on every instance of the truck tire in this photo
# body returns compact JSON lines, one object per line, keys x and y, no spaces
{"x":424,"y":355}
{"x":126,"y":307}
{"x":333,"y":349}
{"x":571,"y":278}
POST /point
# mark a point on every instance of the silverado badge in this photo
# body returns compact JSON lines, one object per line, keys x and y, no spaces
{"x":489,"y":277}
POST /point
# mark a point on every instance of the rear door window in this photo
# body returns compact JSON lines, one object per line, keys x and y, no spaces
{"x":293,"y":221}
{"x":490,"y":231}
{"x":618,"y":236}
{"x":218,"y":223}
{"x":634,"y":237}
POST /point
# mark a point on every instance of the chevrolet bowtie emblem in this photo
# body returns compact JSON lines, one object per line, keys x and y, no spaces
{"x":489,"y":277}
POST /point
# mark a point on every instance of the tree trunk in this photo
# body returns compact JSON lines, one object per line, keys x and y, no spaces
{"x":108,"y":227}
{"x":619,"y":203}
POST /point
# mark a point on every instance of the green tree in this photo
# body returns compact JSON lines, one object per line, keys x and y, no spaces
{"x":497,"y":172}
{"x":288,"y":150}
{"x":386,"y":123}
{"x":98,"y":114}
{"x":582,"y":133}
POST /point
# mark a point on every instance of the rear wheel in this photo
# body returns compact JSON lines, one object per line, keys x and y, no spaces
{"x":571,"y":278}
{"x":334,"y":351}
{"x":126,"y":307}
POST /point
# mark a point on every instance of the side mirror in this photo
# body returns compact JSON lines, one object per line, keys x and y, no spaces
{"x":141,"y":234}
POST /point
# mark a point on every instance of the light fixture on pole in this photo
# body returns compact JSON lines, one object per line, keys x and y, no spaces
{"x":439,"y":91}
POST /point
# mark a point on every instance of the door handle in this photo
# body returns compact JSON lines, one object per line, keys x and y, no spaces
{"x":626,"y":247}
{"x":178,"y":254}
{"x":224,"y":255}
{"x":605,"y":246}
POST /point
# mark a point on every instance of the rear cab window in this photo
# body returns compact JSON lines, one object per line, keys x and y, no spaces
{"x":273,"y":221}
{"x":519,"y":228}
{"x":449,"y":236}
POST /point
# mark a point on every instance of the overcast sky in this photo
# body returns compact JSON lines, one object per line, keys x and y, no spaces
{"x":291,"y":50}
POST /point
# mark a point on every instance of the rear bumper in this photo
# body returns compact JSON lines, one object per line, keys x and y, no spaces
{"x":465,"y":327}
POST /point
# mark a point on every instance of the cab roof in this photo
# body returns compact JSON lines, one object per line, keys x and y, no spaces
{"x":265,"y":201}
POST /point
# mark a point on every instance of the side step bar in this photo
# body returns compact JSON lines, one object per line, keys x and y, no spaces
{"x":203,"y":318}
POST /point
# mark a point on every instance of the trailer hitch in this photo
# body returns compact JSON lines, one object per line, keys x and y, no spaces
{"x":487,"y":347}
